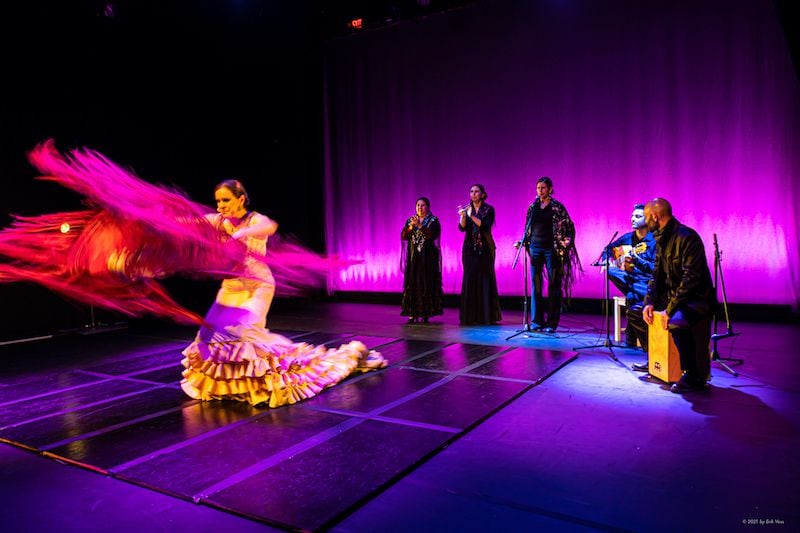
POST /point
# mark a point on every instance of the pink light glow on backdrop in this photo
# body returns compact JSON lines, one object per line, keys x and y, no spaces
{"x":618,"y":102}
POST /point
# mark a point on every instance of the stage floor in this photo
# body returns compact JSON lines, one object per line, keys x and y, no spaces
{"x":466,"y":430}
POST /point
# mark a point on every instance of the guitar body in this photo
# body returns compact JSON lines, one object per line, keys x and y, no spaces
{"x":624,"y":253}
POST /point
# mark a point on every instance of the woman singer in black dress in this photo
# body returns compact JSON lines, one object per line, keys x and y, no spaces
{"x":422,"y":264}
{"x":479,"y":300}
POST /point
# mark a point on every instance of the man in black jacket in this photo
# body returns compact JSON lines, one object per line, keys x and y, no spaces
{"x":682,"y":289}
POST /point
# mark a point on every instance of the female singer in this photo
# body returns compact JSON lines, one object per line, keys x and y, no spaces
{"x":550,"y":238}
{"x":422,"y":265}
{"x":479,"y":300}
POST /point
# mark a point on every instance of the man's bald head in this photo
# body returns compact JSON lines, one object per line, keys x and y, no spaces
{"x":660,"y":206}
{"x":657,"y":212}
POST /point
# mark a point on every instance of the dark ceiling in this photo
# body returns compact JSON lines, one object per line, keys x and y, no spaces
{"x":328,"y":18}
{"x":321,"y":18}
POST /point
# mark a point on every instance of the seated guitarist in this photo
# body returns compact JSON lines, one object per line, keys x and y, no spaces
{"x":630,"y":269}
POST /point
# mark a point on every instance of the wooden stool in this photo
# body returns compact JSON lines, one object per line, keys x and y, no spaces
{"x":619,"y":303}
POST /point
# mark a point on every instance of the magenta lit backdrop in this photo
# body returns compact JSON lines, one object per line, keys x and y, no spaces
{"x":617,"y":101}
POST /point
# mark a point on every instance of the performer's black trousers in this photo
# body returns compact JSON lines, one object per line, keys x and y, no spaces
{"x":541,"y":259}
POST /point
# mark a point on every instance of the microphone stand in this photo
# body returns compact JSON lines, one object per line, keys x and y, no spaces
{"x":607,"y":306}
{"x":716,"y":337}
{"x":526,"y":311}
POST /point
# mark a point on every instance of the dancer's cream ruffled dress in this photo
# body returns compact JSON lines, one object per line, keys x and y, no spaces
{"x":237,"y":358}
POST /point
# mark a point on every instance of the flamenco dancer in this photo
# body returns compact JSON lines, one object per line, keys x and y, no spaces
{"x":133,"y":233}
{"x":234,"y":355}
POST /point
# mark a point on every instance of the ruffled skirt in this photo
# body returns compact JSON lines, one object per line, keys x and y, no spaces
{"x":252,"y":364}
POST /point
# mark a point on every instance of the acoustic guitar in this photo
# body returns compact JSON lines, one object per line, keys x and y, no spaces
{"x":626,"y":251}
